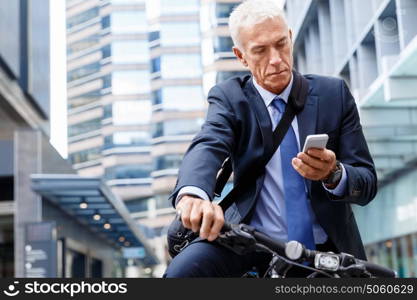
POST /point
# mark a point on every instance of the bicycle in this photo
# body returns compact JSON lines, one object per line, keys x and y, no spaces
{"x":242,"y":239}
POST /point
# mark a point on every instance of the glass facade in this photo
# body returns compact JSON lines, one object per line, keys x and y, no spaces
{"x":169,"y":161}
{"x":179,"y":7}
{"x":129,"y":82}
{"x":111,"y":53}
{"x":129,"y":52}
{"x":223,"y":10}
{"x":83,"y":44}
{"x":180,"y":34}
{"x":127,"y":139}
{"x":84,"y":127}
{"x":82,"y":17}
{"x":179,"y":98}
{"x":224,"y":75}
{"x":85,"y":155}
{"x":84,"y":99}
{"x":124,"y":22}
{"x":223,"y":44}
{"x":132,"y":112}
{"x":127,"y":2}
{"x":177,"y":127}
{"x":138,"y":205}
{"x":177,"y":66}
{"x":128,"y":171}
{"x":399,"y":254}
{"x":83,"y":71}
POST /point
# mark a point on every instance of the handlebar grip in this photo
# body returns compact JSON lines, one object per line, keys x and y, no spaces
{"x":226,"y":227}
{"x":275,"y":245}
{"x":378,"y":271}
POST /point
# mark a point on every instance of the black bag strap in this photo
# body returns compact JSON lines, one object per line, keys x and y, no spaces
{"x":295,"y":105}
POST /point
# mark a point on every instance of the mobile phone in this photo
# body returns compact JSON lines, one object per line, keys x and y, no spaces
{"x":315,"y":141}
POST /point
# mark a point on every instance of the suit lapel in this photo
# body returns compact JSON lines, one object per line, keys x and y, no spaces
{"x":261,"y":113}
{"x":307,"y":122}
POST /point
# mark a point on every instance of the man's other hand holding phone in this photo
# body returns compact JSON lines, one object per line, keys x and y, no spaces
{"x":316,"y":162}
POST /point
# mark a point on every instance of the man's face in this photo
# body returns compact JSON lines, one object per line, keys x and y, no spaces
{"x":267,"y":51}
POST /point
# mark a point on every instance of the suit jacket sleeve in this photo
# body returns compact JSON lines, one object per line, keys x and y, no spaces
{"x":355,"y":156}
{"x":210,"y":147}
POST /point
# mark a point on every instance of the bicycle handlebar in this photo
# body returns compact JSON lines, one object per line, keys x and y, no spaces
{"x":298,"y":251}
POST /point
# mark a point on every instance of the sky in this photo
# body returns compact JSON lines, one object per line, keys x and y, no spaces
{"x":58,"y":77}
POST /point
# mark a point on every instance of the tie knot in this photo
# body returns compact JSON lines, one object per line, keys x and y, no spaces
{"x":279,"y":104}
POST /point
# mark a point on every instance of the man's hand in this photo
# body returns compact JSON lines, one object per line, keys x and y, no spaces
{"x":316,"y":164}
{"x":198,"y":214}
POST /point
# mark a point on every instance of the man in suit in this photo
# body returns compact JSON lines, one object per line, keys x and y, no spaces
{"x":300,"y":196}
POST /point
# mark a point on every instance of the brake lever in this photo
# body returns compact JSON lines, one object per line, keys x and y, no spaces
{"x":237,"y":240}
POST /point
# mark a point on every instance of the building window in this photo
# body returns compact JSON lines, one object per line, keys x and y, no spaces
{"x":223,"y":44}
{"x":128,"y":171}
{"x":224,"y":75}
{"x":130,"y":82}
{"x":84,"y":127}
{"x":127,"y":2}
{"x":137,"y":205}
{"x":132,"y":112}
{"x":82,"y":17}
{"x":179,"y":98}
{"x":153,"y":36}
{"x":180,"y":66}
{"x":157,"y":97}
{"x":130,"y":52}
{"x":161,"y":201}
{"x":83,"y":71}
{"x":170,"y":161}
{"x":127,"y":139}
{"x":84,"y":99}
{"x":105,"y":22}
{"x":223,"y":10}
{"x":85,"y":155}
{"x":156,"y":65}
{"x":180,"y":34}
{"x":124,"y":22}
{"x":177,"y":127}
{"x":84,"y":44}
{"x":107,"y":111}
{"x":106,"y":51}
{"x":179,"y":7}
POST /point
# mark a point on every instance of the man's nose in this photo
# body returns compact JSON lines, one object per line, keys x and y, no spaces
{"x":275,"y":57}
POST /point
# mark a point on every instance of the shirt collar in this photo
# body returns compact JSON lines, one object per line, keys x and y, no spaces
{"x":268,"y":96}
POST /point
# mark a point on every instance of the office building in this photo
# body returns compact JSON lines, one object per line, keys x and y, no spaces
{"x":48,"y":215}
{"x":109,"y":105}
{"x":372,"y":45}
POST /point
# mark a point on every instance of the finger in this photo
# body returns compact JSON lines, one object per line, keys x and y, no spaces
{"x":305,"y":170}
{"x":208,"y":216}
{"x":323,"y":154}
{"x":195,"y":217}
{"x":312,"y":161}
{"x":185,"y":206}
{"x":316,"y":152}
{"x":218,"y":223}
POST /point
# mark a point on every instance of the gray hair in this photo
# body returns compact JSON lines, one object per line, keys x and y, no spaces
{"x":250,"y":13}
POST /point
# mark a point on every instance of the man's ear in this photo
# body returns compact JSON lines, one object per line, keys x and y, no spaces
{"x":239,"y":56}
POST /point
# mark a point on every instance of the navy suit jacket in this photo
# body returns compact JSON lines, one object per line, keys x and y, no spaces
{"x":238,"y":125}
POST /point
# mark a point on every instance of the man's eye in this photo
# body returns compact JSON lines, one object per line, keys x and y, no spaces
{"x":258,"y":51}
{"x":282,"y":44}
